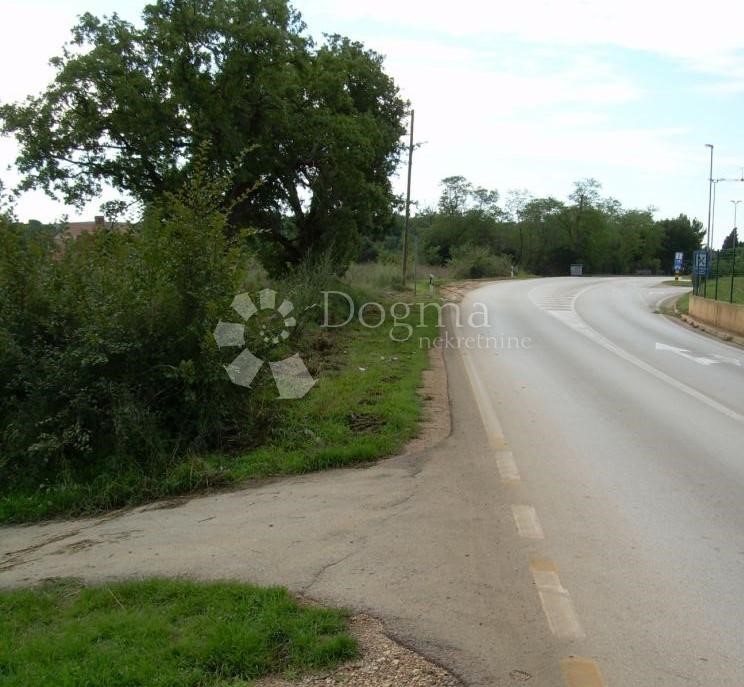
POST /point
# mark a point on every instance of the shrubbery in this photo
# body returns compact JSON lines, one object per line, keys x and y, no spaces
{"x":106,"y":347}
{"x":375,"y":277}
{"x":476,"y":262}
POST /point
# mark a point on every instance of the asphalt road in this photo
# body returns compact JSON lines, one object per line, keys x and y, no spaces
{"x":627,"y":434}
{"x":583,"y":525}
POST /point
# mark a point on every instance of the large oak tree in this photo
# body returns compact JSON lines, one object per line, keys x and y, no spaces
{"x":317,"y":127}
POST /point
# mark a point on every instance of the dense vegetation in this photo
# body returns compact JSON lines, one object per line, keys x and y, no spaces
{"x":256,"y":159}
{"x":732,"y":240}
{"x":106,"y":355}
{"x":113,"y":387}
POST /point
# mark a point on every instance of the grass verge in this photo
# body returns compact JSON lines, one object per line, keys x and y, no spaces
{"x":683,"y":283}
{"x":683,"y":304}
{"x":364,"y":406}
{"x":726,"y":290}
{"x":674,"y":307}
{"x":163,"y":632}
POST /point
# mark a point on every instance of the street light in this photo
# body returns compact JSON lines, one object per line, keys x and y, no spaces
{"x":736,"y":204}
{"x":713,"y":214}
{"x":710,"y":192}
{"x":715,"y":196}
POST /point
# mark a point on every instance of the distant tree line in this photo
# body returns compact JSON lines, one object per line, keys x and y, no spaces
{"x":547,"y":235}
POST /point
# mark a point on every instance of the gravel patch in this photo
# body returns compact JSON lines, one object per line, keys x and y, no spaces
{"x":383,"y":663}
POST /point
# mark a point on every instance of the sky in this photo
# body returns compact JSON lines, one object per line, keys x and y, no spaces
{"x":512,"y":95}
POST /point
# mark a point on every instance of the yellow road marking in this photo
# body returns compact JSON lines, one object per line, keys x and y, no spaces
{"x":507,"y":466}
{"x":543,"y":565}
{"x":496,"y":440}
{"x":556,"y":601}
{"x":528,"y":524}
{"x":581,"y":672}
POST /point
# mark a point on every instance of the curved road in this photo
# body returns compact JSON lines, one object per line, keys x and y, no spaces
{"x":621,"y":434}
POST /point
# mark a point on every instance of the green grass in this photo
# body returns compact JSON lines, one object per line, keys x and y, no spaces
{"x":364,"y":406}
{"x":367,"y":408}
{"x":724,"y":289}
{"x":683,"y":304}
{"x":374,"y":277}
{"x":674,"y":307}
{"x":162,"y":633}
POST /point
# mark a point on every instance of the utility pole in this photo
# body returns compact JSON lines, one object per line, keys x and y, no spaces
{"x":415,"y":260}
{"x":710,"y":193}
{"x":408,"y":205}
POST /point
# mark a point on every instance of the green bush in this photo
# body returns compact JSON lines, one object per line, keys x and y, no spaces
{"x":375,"y":277}
{"x":107,"y":358}
{"x":476,"y":262}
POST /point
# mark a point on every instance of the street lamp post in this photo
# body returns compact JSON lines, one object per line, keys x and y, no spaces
{"x":736,"y":204}
{"x":715,"y":197}
{"x":713,"y":214}
{"x":710,"y":192}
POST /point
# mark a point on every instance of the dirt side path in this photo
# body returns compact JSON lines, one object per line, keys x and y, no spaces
{"x":52,"y":549}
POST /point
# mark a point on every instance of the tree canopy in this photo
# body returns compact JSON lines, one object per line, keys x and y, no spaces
{"x":545,"y":235}
{"x":732,"y":240}
{"x":313,"y":130}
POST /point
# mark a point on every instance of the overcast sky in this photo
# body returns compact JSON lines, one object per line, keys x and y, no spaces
{"x":531,"y":95}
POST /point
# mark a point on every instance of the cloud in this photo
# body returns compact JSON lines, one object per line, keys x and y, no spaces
{"x":693,"y":31}
{"x":531,"y":94}
{"x":473,"y":75}
{"x":538,"y":94}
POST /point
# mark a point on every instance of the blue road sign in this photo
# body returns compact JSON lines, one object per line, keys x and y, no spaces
{"x":679,"y":259}
{"x":701,"y":260}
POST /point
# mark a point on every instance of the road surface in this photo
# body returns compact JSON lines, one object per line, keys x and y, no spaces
{"x":627,"y":432}
{"x":582,"y":526}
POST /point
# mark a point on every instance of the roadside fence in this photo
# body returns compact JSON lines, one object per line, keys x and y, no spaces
{"x":719,"y":275}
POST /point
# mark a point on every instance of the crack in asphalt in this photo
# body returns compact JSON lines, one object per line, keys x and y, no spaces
{"x":324,"y":569}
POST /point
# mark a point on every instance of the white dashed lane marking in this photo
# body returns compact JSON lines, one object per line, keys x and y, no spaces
{"x":505,"y":463}
{"x":554,"y":598}
{"x":556,"y":601}
{"x":528,"y":524}
{"x":569,"y":317}
{"x":507,"y":466}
